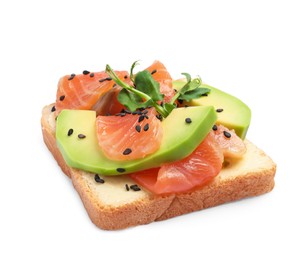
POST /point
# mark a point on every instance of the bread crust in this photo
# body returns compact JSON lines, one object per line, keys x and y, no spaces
{"x":227,"y":186}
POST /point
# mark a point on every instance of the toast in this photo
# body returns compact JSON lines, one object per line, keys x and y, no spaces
{"x":112,"y":205}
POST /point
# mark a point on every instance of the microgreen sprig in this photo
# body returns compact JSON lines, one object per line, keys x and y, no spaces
{"x":191,"y":90}
{"x":145,"y":91}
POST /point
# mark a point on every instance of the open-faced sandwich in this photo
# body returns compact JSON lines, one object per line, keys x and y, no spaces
{"x":142,"y":147}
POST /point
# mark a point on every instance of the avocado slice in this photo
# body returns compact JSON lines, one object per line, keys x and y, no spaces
{"x":179,"y":140}
{"x":234,"y":114}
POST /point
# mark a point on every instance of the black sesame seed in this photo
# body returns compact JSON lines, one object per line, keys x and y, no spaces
{"x":159,"y":117}
{"x":86,"y":72}
{"x":138,"y":128}
{"x":127,"y":151}
{"x":135,"y":187}
{"x":120,"y":170}
{"x":215,"y":127}
{"x":188,"y":120}
{"x":125,"y":76}
{"x":146,"y":127}
{"x":219,"y":110}
{"x":127,"y":187}
{"x":70,"y":132}
{"x":91,"y":75}
{"x":71,"y":76}
{"x":81,"y":136}
{"x":62,"y":98}
{"x":204,"y":94}
{"x":227,"y":134}
{"x":98,"y":179}
{"x":53,"y":109}
{"x":141,"y":118}
{"x":104,"y":79}
{"x":121,"y":114}
{"x":153,"y":71}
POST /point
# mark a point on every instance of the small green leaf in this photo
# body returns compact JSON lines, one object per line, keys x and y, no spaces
{"x":145,"y":83}
{"x":131,"y":100}
{"x":187,"y":75}
{"x":195,"y":83}
{"x":192,"y":94}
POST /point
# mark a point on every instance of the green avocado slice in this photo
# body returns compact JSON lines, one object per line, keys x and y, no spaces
{"x":179,"y":140}
{"x":231,"y":111}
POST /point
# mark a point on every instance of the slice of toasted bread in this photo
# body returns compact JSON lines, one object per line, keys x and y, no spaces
{"x":111,"y":206}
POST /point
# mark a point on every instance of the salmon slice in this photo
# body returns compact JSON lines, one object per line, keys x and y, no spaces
{"x":163,"y":77}
{"x":190,"y":173}
{"x":128,"y":136}
{"x":108,"y":104}
{"x":82,"y":91}
{"x":231,"y":145}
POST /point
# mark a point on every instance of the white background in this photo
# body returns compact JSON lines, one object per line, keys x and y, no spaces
{"x":251,"y":49}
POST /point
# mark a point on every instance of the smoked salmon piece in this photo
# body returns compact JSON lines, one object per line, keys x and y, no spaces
{"x":163,"y":77}
{"x":82,"y":91}
{"x":231,"y":145}
{"x":128,"y":136}
{"x":190,"y":173}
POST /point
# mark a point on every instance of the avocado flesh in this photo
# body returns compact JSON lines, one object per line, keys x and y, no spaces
{"x":235,"y":115}
{"x":179,"y":140}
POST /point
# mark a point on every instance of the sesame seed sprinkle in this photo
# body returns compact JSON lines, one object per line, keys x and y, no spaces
{"x":98,"y":179}
{"x":135,"y":187}
{"x":159,"y":117}
{"x":127,"y":151}
{"x":227,"y":134}
{"x":86,"y":72}
{"x":62,"y":98}
{"x":120,"y":170}
{"x":105,"y":79}
{"x":121,"y":114}
{"x":53,"y":109}
{"x":91,"y":75}
{"x":141,"y":118}
{"x":153,"y":71}
{"x":188,"y":120}
{"x":219,"y":110}
{"x":127,"y":187}
{"x":138,"y":128}
{"x":81,"y":136}
{"x":70,"y":132}
{"x":146,"y":127}
{"x":71,"y":76}
{"x":215,"y":127}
